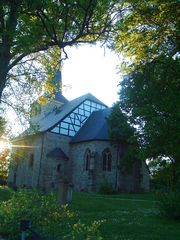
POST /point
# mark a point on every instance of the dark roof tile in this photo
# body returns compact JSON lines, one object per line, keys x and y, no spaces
{"x":95,"y":128}
{"x":57,"y":153}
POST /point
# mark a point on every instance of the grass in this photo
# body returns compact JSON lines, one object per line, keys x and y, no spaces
{"x":127,"y":216}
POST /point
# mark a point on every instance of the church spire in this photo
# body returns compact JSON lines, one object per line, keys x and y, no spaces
{"x":57,"y":82}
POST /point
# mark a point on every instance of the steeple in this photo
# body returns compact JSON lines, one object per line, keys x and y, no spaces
{"x":38,"y":111}
{"x":57,"y":82}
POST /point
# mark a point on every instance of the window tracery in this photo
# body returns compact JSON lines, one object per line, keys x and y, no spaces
{"x":107,"y":160}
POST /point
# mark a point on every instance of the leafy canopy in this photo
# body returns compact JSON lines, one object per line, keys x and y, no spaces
{"x":149,"y":92}
{"x":124,"y":136}
{"x":149,"y":96}
{"x":148,"y":29}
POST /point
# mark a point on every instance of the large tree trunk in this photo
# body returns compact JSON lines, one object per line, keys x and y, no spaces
{"x":8,"y":23}
{"x":3,"y":73}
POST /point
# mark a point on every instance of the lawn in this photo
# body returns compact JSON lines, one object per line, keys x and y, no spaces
{"x":126,"y":216}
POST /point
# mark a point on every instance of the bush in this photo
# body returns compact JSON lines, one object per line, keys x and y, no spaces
{"x":5,"y":193}
{"x":106,"y":187}
{"x":169,"y":204}
{"x":48,"y":219}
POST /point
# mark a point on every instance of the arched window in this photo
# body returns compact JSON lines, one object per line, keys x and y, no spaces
{"x":87,"y":158}
{"x":58,"y":168}
{"x":107,"y":159}
{"x":31,"y":160}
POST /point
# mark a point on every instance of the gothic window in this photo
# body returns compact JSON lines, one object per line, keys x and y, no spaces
{"x":31,"y":160}
{"x":107,"y":160}
{"x":71,"y":124}
{"x":87,"y":158}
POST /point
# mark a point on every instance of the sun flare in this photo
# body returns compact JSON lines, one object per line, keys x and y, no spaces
{"x":4,"y":144}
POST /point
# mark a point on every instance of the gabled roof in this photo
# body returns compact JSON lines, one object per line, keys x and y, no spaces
{"x":57,"y":153}
{"x":57,"y":115}
{"x":95,"y":128}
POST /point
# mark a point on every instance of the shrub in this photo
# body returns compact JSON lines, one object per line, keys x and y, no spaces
{"x":5,"y":193}
{"x":106,"y":187}
{"x":48,"y":219}
{"x":169,"y":204}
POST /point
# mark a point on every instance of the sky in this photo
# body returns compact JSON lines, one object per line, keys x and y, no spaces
{"x":91,"y":69}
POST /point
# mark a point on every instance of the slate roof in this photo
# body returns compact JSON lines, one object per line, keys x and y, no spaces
{"x":60,"y":98}
{"x":95,"y":128}
{"x":57,"y":115}
{"x":57,"y":153}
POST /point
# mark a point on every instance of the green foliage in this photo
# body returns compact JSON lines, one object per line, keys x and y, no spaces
{"x":5,"y":193}
{"x":4,"y":166}
{"x":48,"y":219}
{"x":106,"y":187}
{"x":149,"y":94}
{"x":2,"y":126}
{"x":149,"y":97}
{"x":120,"y":130}
{"x":169,"y":205}
{"x":124,"y":136}
{"x":4,"y":153}
{"x":124,"y":216}
{"x":164,"y":174}
{"x":147,"y":29}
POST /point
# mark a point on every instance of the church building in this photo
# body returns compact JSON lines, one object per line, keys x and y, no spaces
{"x":70,"y":142}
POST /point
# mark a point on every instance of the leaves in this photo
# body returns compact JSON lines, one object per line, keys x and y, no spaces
{"x":148,"y":29}
{"x":149,"y":98}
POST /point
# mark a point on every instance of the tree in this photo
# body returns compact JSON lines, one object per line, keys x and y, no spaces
{"x":148,"y":29}
{"x":123,"y":135}
{"x":4,"y":152}
{"x":148,"y":36}
{"x":149,"y":98}
{"x":2,"y":126}
{"x":4,"y":165}
{"x":32,"y":26}
{"x":162,"y":174}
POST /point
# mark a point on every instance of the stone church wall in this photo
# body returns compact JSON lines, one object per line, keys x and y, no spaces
{"x":34,"y":168}
{"x":136,"y":181}
{"x":91,"y":180}
{"x":27,"y":155}
{"x":49,"y":176}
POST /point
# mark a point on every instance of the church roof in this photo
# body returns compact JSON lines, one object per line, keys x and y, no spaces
{"x":57,"y":153}
{"x":60,"y":98}
{"x":54,"y":117}
{"x":95,"y":128}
